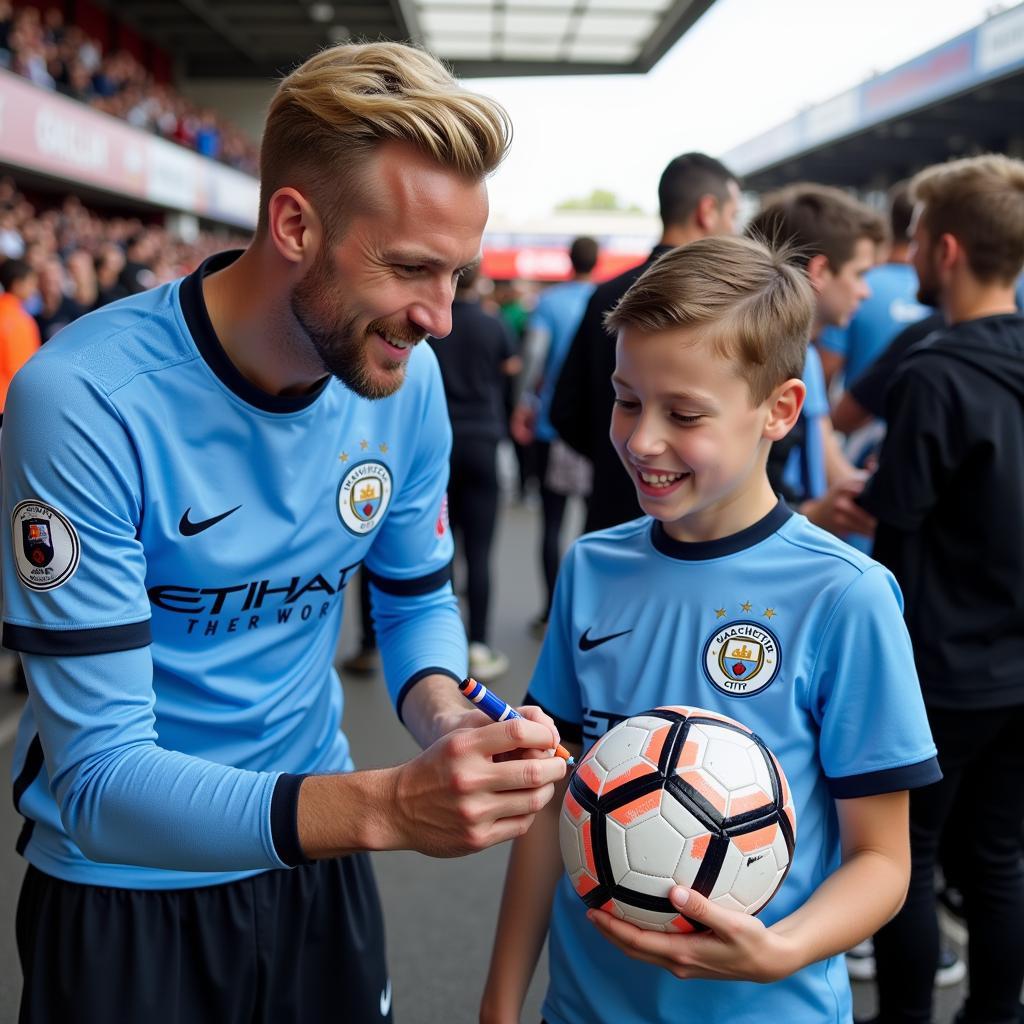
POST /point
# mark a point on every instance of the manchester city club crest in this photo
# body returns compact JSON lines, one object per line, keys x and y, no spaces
{"x":46,"y":545}
{"x":364,"y":495}
{"x":742,"y":658}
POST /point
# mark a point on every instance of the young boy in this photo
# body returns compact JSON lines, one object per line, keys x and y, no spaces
{"x":711,"y":344}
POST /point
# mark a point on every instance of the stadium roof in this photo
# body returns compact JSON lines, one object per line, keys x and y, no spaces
{"x":479,"y":38}
{"x":963,"y":97}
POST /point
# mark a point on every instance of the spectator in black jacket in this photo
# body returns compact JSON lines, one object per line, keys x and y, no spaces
{"x":949,"y":499}
{"x":697,"y":197}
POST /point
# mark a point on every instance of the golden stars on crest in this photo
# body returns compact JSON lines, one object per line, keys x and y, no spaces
{"x":364,"y":445}
{"x":745,"y":607}
{"x":719,"y":613}
{"x":343,"y":457}
{"x":383,"y":447}
{"x":769,"y":613}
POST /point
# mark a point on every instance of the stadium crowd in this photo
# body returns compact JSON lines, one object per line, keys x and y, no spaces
{"x":54,"y":55}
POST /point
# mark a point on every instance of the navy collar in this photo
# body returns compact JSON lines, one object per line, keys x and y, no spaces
{"x":701,"y":550}
{"x":197,"y":318}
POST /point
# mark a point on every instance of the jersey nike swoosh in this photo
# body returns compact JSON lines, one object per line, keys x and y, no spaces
{"x":588,"y":644}
{"x":385,"y":999}
{"x":189,"y":529}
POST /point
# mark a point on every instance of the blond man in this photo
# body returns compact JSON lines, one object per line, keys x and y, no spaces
{"x":949,"y":498}
{"x":225,"y":452}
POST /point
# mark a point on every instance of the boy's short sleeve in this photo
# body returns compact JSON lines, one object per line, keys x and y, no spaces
{"x":866,"y":696}
{"x":553,"y":686}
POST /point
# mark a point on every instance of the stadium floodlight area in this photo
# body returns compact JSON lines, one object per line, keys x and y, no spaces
{"x":963,"y":97}
{"x":478,"y":38}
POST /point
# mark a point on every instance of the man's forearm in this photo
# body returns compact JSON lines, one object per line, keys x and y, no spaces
{"x":432,"y":708}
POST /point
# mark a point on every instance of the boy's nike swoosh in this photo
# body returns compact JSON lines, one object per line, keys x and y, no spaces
{"x":189,"y":529}
{"x":588,"y":644}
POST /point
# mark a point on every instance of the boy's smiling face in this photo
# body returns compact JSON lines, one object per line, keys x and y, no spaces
{"x":690,"y":436}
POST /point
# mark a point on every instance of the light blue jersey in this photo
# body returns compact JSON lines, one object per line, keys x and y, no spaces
{"x":891,"y":306}
{"x":558,"y":313}
{"x":179,"y":547}
{"x":640,"y":620}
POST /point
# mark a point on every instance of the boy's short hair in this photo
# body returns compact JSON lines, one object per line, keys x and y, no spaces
{"x":980,"y":201}
{"x":329,"y":114}
{"x":816,"y":220}
{"x":752,"y":302}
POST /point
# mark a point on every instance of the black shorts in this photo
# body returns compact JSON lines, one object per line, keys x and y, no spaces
{"x":301,"y":946}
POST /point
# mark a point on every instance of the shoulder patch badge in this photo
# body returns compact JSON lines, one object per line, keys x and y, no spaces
{"x":742,"y":658}
{"x":364,"y":495}
{"x":46,"y":545}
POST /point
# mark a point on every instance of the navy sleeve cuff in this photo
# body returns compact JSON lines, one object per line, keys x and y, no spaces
{"x":414,"y":679}
{"x":284,"y":820}
{"x":58,"y":642}
{"x":571,"y":731}
{"x":892,"y":780}
{"x":414,"y":587}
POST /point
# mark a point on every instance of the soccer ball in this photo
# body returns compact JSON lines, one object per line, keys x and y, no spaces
{"x":677,"y":796}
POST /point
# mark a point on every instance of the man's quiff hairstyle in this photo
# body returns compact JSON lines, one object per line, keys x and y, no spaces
{"x":751,"y":302}
{"x":980,"y":201}
{"x":329,"y":114}
{"x":817,"y":220}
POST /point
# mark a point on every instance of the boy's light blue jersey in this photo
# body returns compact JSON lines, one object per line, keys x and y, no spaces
{"x":639,"y":621}
{"x":178,"y":549}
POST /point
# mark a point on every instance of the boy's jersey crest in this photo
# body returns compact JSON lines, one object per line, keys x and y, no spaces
{"x":742,"y":658}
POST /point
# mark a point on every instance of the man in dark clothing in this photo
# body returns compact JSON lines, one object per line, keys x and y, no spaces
{"x":949,"y":499}
{"x":697,"y":197}
{"x":475,"y":359}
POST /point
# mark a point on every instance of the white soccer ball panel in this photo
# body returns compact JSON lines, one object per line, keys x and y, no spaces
{"x":653,"y":848}
{"x":690,"y":860}
{"x":756,"y":878}
{"x":651,"y":920}
{"x":615,"y":835}
{"x":727,"y":873}
{"x":570,"y":840}
{"x":729,"y":902}
{"x":725,"y":757}
{"x":749,"y":798}
{"x":753,"y":908}
{"x":762,"y":773}
{"x":626,"y":741}
{"x":680,"y":818}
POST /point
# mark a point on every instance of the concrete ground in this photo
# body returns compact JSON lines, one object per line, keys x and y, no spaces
{"x":440,"y":914}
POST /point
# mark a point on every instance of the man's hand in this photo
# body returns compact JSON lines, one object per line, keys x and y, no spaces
{"x":737,"y":947}
{"x":523,"y":424}
{"x":475,"y":786}
{"x":837,"y":511}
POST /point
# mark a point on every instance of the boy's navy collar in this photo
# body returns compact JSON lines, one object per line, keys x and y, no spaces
{"x":698,"y":551}
{"x":193,"y":308}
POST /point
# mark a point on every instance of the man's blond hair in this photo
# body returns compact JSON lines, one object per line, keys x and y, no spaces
{"x":329,"y":114}
{"x":752,"y":303}
{"x":980,"y":201}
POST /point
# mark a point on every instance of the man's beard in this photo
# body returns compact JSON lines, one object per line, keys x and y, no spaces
{"x":337,"y":344}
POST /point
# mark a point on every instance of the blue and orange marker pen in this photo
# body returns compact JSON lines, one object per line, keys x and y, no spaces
{"x":498,"y":711}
